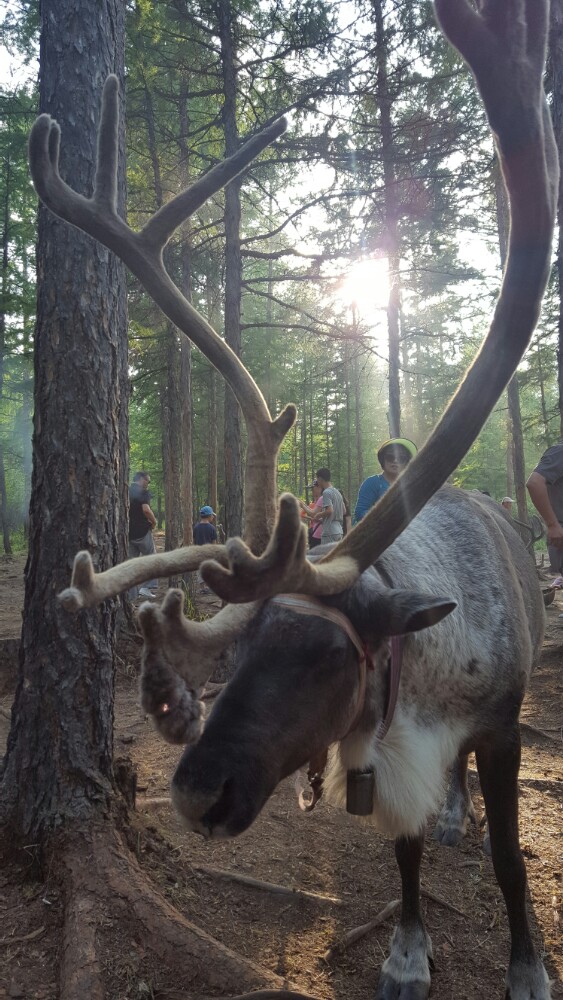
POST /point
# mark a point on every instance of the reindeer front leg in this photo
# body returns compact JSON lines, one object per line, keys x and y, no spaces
{"x":498,"y":763}
{"x":405,"y":974}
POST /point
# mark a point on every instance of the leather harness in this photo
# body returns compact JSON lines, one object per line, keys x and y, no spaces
{"x":305,"y":605}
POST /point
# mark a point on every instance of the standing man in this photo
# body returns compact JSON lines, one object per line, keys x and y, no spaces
{"x":394,"y":456}
{"x":545,"y":487}
{"x":205,"y":531}
{"x":331,"y":513}
{"x":141,"y":524}
{"x":507,"y":502}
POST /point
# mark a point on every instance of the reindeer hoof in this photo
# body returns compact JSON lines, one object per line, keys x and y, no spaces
{"x":390,"y":989}
{"x":405,"y":975}
{"x":527,"y":981}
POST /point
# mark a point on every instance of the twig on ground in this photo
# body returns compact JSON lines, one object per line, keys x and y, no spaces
{"x":25,"y":937}
{"x":527,"y":783}
{"x":211,"y":691}
{"x":526,"y":727}
{"x":255,"y":883}
{"x":441,"y":902}
{"x":357,"y":933}
{"x":154,"y":803}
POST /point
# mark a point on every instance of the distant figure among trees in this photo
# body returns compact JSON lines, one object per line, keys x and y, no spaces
{"x":507,"y":502}
{"x":141,"y":524}
{"x":331,"y":514}
{"x":205,"y":531}
{"x":393,"y":455}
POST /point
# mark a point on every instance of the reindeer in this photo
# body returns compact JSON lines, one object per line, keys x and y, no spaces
{"x":372,"y":648}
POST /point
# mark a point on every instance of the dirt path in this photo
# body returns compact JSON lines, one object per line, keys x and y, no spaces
{"x":326,"y":852}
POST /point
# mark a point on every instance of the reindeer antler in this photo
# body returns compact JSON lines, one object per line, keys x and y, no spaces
{"x":142,"y":253}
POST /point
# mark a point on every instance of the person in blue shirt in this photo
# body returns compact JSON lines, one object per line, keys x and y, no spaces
{"x":394,"y":455}
{"x":205,"y":531}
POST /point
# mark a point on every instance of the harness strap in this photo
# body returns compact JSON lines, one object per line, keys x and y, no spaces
{"x":306,"y":605}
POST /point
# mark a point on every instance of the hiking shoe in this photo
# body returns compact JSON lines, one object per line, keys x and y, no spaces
{"x":145,"y":592}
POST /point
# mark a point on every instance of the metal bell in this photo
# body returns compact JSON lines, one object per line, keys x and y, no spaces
{"x":360,"y":790}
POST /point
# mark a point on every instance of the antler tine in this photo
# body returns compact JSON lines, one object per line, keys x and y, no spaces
{"x":88,"y":588}
{"x":159,"y":229}
{"x":281,"y":568}
{"x":105,"y":185}
{"x":178,"y":657}
{"x":179,"y":639}
{"x":93,"y":215}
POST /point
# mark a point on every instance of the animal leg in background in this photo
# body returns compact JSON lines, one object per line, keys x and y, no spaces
{"x":457,"y":811}
{"x":406,"y":972}
{"x":498,"y":763}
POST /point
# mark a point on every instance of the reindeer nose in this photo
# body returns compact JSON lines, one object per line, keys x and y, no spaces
{"x":195,"y":792}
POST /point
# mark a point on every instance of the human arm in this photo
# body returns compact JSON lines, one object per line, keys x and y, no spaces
{"x":149,"y":515}
{"x":305,"y":509}
{"x":369,"y":492}
{"x":537,"y":488}
{"x":323,"y":513}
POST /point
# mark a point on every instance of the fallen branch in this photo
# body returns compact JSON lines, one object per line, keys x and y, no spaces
{"x":255,"y":883}
{"x":26,"y":937}
{"x":211,"y":691}
{"x":526,"y":727}
{"x":441,"y":902}
{"x":154,"y":803}
{"x":527,"y":783}
{"x":357,"y":933}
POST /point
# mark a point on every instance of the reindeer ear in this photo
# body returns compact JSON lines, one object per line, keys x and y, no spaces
{"x":402,"y":611}
{"x":396,"y":612}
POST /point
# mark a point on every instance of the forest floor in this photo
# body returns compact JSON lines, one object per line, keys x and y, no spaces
{"x":327,"y":853}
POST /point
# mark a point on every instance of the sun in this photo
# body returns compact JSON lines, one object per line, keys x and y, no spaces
{"x":365,"y":288}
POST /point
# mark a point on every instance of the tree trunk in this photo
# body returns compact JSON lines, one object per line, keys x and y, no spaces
{"x":513,"y":392}
{"x":185,"y":345}
{"x":541,"y":377}
{"x":233,"y":275}
{"x":384,"y":100}
{"x":172,"y":446}
{"x":556,"y":53}
{"x":348,"y":420}
{"x":58,"y":765}
{"x":3,"y":312}
{"x":358,"y":422}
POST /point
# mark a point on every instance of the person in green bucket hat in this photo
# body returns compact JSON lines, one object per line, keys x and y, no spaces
{"x":394,"y":455}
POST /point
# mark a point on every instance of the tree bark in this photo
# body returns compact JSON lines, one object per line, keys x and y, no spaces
{"x":513,"y":392}
{"x":233,"y":274}
{"x":556,"y":60}
{"x":3,"y":311}
{"x":58,"y":766}
{"x":172,"y":446}
{"x":185,"y":345}
{"x":384,"y":100}
{"x":358,"y":421}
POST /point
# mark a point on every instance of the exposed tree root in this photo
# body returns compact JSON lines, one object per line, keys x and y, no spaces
{"x":105,"y":888}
